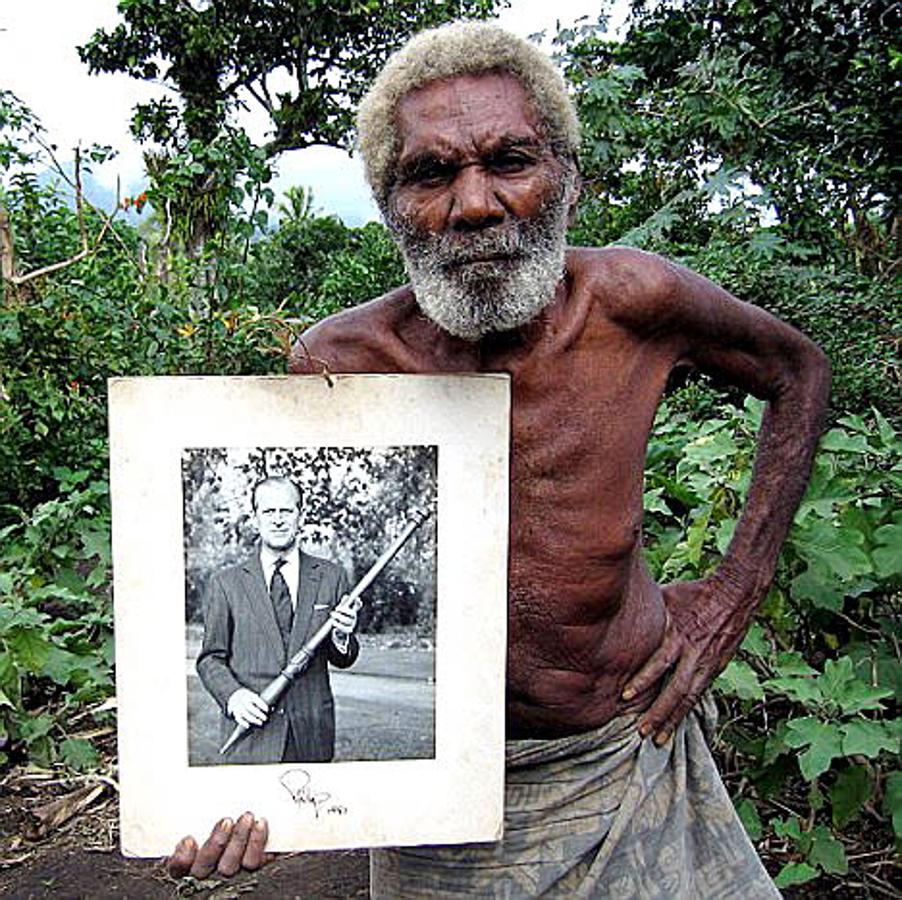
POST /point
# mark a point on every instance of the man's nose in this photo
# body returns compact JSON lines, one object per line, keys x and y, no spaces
{"x":475,"y":204}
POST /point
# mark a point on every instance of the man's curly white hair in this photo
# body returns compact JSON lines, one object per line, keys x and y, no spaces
{"x":459,"y":48}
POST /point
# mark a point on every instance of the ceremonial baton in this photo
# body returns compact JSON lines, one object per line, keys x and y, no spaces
{"x":274,"y":691}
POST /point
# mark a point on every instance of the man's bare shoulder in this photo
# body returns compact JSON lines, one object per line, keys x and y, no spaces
{"x":631,"y":286}
{"x":354,"y":340}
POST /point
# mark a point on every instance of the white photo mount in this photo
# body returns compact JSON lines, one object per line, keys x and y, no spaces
{"x":455,"y":797}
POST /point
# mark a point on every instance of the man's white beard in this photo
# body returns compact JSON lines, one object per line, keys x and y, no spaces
{"x":471,"y":299}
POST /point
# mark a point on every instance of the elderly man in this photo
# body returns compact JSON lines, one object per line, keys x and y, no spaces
{"x":470,"y":142}
{"x":257,"y":615}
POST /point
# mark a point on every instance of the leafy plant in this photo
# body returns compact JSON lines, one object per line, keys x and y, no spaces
{"x":56,"y":650}
{"x":812,"y":694}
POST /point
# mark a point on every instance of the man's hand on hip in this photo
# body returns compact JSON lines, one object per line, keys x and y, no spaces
{"x":247,"y":708}
{"x":705,"y":627}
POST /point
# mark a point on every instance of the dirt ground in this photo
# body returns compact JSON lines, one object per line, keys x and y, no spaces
{"x":79,"y":858}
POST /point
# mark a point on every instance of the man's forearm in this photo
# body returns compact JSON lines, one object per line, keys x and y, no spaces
{"x":787,"y":442}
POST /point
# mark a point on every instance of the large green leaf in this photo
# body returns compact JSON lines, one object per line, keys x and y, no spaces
{"x":820,"y":587}
{"x":740,"y":680}
{"x":795,"y":873}
{"x":751,"y":820}
{"x":850,"y":792}
{"x":837,"y":676}
{"x":79,"y":754}
{"x":791,"y":662}
{"x":840,"y":441}
{"x":37,"y":727}
{"x":865,"y":738}
{"x":832,"y":549}
{"x":827,"y":852}
{"x":30,"y":648}
{"x":822,"y":751}
{"x":803,"y":690}
{"x":887,"y":555}
{"x":756,"y":641}
{"x":801,"y":732}
{"x":885,"y":430}
{"x":823,"y":740}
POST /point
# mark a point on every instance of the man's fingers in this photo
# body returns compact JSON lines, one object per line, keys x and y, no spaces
{"x":699,"y":683}
{"x":653,"y":720}
{"x":259,"y":706}
{"x":656,"y":665}
{"x":209,"y":854}
{"x":675,"y":701}
{"x":254,"y":855}
{"x":230,"y":861}
{"x":343,"y":621}
{"x":182,"y":858}
{"x":249,"y":717}
{"x":230,"y":847}
{"x":252,"y":710}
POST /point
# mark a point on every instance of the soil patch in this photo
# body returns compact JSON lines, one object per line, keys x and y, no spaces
{"x":79,"y":858}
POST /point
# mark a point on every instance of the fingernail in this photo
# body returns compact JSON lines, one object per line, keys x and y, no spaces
{"x":226,"y":825}
{"x":247,"y":819}
{"x":628,"y":693}
{"x":260,"y":824}
{"x":663,"y":738}
{"x":644,"y":729}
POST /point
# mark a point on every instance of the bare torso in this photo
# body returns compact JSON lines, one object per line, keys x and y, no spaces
{"x":584,"y":613}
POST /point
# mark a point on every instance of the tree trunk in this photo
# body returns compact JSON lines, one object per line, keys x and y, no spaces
{"x":7,"y":249}
{"x":7,"y":259}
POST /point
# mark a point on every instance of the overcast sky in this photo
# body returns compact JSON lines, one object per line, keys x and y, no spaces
{"x":38,"y":62}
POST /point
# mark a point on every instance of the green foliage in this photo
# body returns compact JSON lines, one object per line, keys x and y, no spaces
{"x":317,"y":266}
{"x":855,"y":319}
{"x":824,"y":696}
{"x":56,"y":650}
{"x":790,"y":106}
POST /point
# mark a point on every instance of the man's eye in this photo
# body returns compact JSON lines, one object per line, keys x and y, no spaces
{"x":432,"y":175}
{"x":511,"y":163}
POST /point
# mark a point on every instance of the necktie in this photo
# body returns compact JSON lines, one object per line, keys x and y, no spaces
{"x":281,"y":602}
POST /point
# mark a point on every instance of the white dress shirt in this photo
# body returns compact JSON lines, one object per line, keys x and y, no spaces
{"x":291,"y":571}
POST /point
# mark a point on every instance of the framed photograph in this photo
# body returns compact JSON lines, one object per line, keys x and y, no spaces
{"x":310,"y":588}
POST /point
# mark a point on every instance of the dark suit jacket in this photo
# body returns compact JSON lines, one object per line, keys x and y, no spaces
{"x":243,"y":647}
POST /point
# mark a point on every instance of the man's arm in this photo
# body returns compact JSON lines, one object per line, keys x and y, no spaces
{"x":237,"y":702}
{"x":212,"y":661}
{"x":748,"y":347}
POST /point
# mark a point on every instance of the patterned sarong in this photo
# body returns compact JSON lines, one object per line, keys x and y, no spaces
{"x":598,"y":815}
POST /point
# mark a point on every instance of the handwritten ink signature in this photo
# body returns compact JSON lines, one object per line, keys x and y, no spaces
{"x":300,"y":787}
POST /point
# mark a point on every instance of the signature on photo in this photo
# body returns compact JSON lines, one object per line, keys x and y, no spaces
{"x":300,"y":788}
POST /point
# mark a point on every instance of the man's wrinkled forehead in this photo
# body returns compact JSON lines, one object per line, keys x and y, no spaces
{"x":484,"y":113}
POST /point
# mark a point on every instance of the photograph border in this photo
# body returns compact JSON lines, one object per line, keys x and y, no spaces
{"x":311,"y":806}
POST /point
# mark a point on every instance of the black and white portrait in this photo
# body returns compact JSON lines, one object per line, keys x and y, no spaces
{"x":276,"y":541}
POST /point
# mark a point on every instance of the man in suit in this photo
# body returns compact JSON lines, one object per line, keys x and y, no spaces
{"x":257,"y":614}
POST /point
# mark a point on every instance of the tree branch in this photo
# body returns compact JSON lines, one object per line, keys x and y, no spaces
{"x":19,"y":280}
{"x":79,"y":201}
